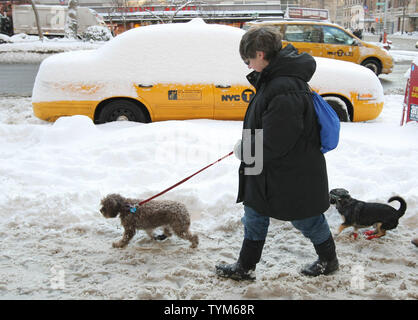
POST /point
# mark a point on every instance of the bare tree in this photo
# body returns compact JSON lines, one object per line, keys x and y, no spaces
{"x":110,"y":12}
{"x":121,"y":6}
{"x":41,"y":35}
{"x":171,"y":18}
{"x":183,"y":6}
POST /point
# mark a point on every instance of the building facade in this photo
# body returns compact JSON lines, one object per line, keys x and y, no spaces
{"x":368,"y":15}
{"x":379,"y":15}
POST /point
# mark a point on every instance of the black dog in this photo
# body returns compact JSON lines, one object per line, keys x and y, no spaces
{"x":360,"y":214}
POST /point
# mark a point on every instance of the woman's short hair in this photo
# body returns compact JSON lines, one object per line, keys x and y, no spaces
{"x":260,"y":38}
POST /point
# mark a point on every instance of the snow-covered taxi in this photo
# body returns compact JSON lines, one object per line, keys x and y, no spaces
{"x":180,"y":71}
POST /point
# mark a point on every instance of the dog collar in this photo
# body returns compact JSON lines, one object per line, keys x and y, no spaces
{"x":132,"y":209}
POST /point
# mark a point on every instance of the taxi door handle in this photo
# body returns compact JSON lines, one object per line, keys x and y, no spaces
{"x":145,"y":85}
{"x":223,"y":86}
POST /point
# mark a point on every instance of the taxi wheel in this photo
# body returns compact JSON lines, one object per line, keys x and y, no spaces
{"x":122,"y":110}
{"x":339,"y":107}
{"x":373,"y":65}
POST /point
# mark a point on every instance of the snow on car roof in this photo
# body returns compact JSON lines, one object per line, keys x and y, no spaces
{"x":193,"y":52}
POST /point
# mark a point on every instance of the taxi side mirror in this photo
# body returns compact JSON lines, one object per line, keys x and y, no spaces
{"x":356,"y":43}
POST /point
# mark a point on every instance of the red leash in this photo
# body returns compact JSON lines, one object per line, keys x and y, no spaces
{"x":184,"y":180}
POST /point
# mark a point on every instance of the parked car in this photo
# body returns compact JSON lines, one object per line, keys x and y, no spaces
{"x":328,"y":40}
{"x":180,"y":71}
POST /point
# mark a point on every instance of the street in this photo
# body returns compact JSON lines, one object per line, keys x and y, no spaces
{"x":17,"y":79}
{"x":395,"y":82}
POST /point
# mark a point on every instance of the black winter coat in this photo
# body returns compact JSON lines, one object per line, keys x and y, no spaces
{"x":293,"y":184}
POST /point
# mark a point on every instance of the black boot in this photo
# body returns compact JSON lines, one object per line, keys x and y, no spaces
{"x":244,"y":268}
{"x":327,"y":262}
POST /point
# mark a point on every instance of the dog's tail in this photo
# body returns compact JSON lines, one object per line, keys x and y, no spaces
{"x":402,"y":209}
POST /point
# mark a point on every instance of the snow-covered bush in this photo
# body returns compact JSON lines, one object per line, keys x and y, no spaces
{"x":96,"y":33}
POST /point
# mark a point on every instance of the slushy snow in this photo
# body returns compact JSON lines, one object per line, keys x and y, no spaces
{"x":55,"y":244}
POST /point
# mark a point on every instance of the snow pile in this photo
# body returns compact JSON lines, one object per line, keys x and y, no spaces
{"x":56,"y":245}
{"x":403,"y":55}
{"x":407,"y":73}
{"x":405,"y":35}
{"x":4,"y":38}
{"x":22,"y":48}
{"x":397,"y":55}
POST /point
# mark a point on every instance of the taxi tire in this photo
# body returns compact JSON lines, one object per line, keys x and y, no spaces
{"x":121,"y":108}
{"x":373,"y":65}
{"x":339,"y":107}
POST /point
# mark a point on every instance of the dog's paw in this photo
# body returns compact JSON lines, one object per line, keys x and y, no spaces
{"x":160,"y":237}
{"x":369,"y":232}
{"x":354,"y":235}
{"x":118,"y":244}
{"x":374,"y":236}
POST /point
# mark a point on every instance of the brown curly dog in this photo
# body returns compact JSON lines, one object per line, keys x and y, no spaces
{"x":168,"y":214}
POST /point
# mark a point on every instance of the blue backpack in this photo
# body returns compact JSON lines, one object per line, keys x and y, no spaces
{"x":329,"y":123}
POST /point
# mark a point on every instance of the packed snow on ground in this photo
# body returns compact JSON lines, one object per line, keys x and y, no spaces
{"x":55,"y":244}
{"x":403,"y":55}
{"x":405,"y":35}
{"x":397,"y":35}
{"x":398,"y":55}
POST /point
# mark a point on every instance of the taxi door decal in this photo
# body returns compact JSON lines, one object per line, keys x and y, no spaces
{"x":340,"y":53}
{"x":245,"y":96}
{"x":184,"y":95}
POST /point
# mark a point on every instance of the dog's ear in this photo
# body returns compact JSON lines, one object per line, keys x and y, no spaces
{"x":345,"y":196}
{"x":113,"y":202}
{"x":343,"y":200}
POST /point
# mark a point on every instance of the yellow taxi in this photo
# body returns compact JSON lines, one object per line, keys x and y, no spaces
{"x":328,"y":40}
{"x":180,"y":71}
